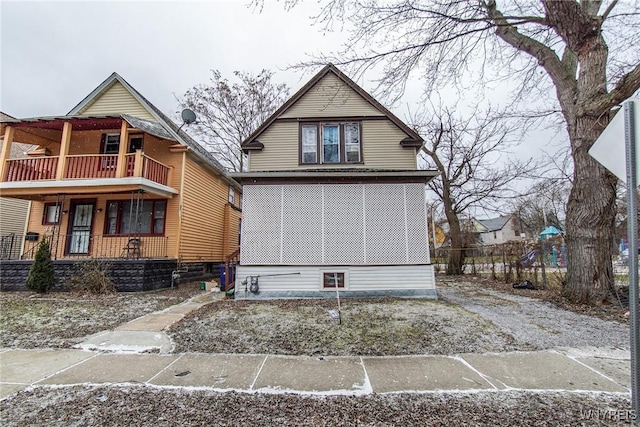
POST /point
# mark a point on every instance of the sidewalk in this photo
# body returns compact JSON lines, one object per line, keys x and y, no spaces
{"x":137,"y":353}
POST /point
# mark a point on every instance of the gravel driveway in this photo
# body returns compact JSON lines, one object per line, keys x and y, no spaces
{"x":533,"y":323}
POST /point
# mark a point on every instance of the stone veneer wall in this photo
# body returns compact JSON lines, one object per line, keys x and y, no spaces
{"x":127,"y":275}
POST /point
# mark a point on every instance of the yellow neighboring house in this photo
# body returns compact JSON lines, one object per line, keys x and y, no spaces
{"x":13,"y":212}
{"x":116,"y":179}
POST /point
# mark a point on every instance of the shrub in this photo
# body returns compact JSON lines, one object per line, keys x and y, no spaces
{"x":42,"y":275}
{"x":92,"y":277}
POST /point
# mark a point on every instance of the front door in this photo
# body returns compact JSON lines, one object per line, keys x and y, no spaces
{"x":80,"y":223}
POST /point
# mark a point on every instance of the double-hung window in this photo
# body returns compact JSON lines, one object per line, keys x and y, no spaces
{"x":330,"y":143}
{"x":125,"y":217}
{"x":309,"y":143}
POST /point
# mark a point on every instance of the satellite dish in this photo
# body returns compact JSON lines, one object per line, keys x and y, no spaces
{"x":188,"y":116}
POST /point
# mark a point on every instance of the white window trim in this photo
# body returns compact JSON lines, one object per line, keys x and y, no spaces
{"x":311,"y":148}
{"x":346,"y":144}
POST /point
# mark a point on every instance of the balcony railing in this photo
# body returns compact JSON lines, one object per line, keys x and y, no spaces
{"x":155,"y":171}
{"x":90,"y":166}
{"x":83,"y":245}
{"x":31,"y":169}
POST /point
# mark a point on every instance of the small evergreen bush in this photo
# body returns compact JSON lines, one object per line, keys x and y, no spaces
{"x":42,"y":275}
{"x":92,"y":277}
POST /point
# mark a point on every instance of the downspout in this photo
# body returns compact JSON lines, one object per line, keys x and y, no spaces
{"x":175,"y":274}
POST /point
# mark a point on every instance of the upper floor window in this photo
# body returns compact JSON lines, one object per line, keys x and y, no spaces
{"x":111,"y":143}
{"x":330,"y":143}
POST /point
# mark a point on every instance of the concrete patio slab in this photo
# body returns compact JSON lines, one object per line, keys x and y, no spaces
{"x":154,"y":322}
{"x":616,"y":369}
{"x":7,"y":390}
{"x":128,"y":341}
{"x":211,"y":370}
{"x":420,"y":373}
{"x":545,"y":370}
{"x":114,"y":368}
{"x":312,"y":374}
{"x":28,"y":366}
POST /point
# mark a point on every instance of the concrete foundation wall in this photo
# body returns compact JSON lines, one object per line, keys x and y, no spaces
{"x":127,"y":275}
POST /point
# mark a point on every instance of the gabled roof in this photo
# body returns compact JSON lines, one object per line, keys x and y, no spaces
{"x":495,"y":224}
{"x":412,"y":139}
{"x":169,"y":128}
{"x":5,"y":118}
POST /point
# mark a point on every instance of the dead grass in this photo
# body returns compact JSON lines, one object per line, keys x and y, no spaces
{"x":61,"y":319}
{"x":373,"y":327}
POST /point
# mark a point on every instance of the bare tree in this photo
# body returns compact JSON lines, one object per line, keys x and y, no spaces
{"x":579,"y":57}
{"x":228,"y":113}
{"x":470,"y":156}
{"x":542,"y":205}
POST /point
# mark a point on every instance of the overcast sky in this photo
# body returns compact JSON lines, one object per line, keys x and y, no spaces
{"x":54,"y":53}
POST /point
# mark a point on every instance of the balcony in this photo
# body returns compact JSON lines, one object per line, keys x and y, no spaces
{"x":92,"y":166}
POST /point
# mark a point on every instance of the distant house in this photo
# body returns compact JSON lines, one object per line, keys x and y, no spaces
{"x":116,"y":179}
{"x":495,"y":231}
{"x":333,"y":199}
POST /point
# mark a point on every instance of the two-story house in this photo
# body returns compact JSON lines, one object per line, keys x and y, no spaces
{"x":333,"y":198}
{"x":496,"y":231}
{"x":13,"y":212}
{"x":116,"y":179}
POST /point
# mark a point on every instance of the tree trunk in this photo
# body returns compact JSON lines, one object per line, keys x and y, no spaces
{"x":591,"y":205}
{"x":456,"y":254}
{"x":590,"y":220}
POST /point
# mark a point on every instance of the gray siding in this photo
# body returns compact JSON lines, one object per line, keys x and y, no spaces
{"x":13,"y":215}
{"x":331,"y":97}
{"x":380,"y":149}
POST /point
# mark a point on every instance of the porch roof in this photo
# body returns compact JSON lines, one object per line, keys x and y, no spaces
{"x":34,"y":190}
{"x":93,"y":123}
